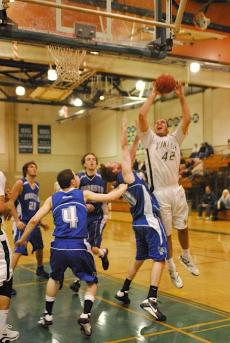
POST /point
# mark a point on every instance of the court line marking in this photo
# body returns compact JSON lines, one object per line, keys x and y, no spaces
{"x":190,"y":229}
{"x":171,"y":327}
{"x":139,"y":337}
{"x":213,"y":328}
{"x":206,"y":323}
{"x":177,"y":299}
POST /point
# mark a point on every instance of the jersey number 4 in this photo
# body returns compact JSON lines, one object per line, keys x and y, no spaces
{"x":69,"y":216}
{"x":168,"y":156}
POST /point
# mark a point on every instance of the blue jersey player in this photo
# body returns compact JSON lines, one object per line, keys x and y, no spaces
{"x":97,"y":213}
{"x":70,"y":247}
{"x":151,"y":240}
{"x":25,"y":193}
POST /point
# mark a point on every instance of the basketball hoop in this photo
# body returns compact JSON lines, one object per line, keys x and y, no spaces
{"x":67,"y":61}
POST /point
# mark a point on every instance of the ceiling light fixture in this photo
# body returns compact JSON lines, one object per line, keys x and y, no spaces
{"x":77,"y":102}
{"x":194,"y":67}
{"x":52,"y":74}
{"x":20,"y":90}
{"x":140,"y":85}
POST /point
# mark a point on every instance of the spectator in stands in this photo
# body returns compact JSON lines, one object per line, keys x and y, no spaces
{"x":201,"y":153}
{"x":222,"y":204}
{"x":208,"y":149}
{"x":208,"y":203}
{"x":195,"y":151}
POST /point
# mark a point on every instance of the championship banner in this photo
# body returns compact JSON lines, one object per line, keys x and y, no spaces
{"x":25,"y":138}
{"x":44,"y":139}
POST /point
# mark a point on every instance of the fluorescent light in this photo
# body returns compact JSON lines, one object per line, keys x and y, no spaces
{"x":20,"y":90}
{"x":140,"y":85}
{"x":194,"y":67}
{"x":52,"y":74}
{"x":94,"y":52}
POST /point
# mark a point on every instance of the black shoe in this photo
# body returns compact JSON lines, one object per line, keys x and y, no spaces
{"x":104,"y":260}
{"x":150,"y":305}
{"x":42,"y":273}
{"x":123,"y":297}
{"x":75,"y":286}
{"x":13,"y":292}
{"x":85,"y":326}
{"x":46,"y":320}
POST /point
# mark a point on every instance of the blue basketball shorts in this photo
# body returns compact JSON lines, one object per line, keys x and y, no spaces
{"x":149,"y":244}
{"x":35,"y":239}
{"x":74,"y":254}
{"x":95,"y":227}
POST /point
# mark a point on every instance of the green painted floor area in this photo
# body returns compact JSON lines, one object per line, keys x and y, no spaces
{"x":186,"y":322}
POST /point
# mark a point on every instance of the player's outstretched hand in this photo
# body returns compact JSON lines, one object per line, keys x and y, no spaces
{"x":20,"y":243}
{"x":90,"y":208}
{"x":179,"y":89}
{"x":20,"y":225}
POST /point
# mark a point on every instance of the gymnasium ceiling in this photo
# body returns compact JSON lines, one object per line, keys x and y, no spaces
{"x":125,"y":51}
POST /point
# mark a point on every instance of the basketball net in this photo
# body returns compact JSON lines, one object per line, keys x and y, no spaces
{"x":68,"y":62}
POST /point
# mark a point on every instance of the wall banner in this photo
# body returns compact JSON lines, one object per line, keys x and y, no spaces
{"x":25,"y":138}
{"x":44,"y":139}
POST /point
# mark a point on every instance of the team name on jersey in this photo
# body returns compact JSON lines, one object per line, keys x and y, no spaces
{"x":93,"y":188}
{"x":166,"y":145}
{"x":31,"y":196}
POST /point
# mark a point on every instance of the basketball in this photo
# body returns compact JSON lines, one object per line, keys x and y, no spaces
{"x":165,"y":83}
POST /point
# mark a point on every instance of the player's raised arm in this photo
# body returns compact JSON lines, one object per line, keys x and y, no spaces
{"x":186,"y":117}
{"x":143,"y":114}
{"x":42,"y":212}
{"x":134,"y":145}
{"x":126,"y":164}
{"x":99,"y":197}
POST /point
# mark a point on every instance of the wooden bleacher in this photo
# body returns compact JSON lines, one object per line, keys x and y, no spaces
{"x":224,"y":215}
{"x":215,"y":162}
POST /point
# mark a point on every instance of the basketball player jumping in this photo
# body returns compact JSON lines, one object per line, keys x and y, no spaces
{"x":162,"y":163}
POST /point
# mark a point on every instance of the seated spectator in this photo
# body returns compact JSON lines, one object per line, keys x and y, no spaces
{"x":208,"y":203}
{"x":208,"y":149}
{"x":198,"y":167}
{"x":195,"y":151}
{"x":201,"y":152}
{"x":222,"y":204}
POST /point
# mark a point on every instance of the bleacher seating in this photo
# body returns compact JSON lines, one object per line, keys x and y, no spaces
{"x":224,"y":215}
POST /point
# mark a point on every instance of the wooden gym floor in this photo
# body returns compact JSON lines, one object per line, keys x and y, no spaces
{"x":199,"y":312}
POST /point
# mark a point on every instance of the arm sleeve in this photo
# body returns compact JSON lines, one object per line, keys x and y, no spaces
{"x":2,"y":184}
{"x":179,"y":134}
{"x":147,"y":138}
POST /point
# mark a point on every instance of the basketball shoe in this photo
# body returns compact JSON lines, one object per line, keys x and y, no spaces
{"x":123,"y":297}
{"x":150,"y":305}
{"x":85,"y":325}
{"x":75,"y":286}
{"x":8,"y":335}
{"x":176,"y":279}
{"x":104,"y":260}
{"x":188,"y":263}
{"x":46,"y":320}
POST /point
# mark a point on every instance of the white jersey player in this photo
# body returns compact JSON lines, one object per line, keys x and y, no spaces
{"x":6,"y":271}
{"x":162,"y":164}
